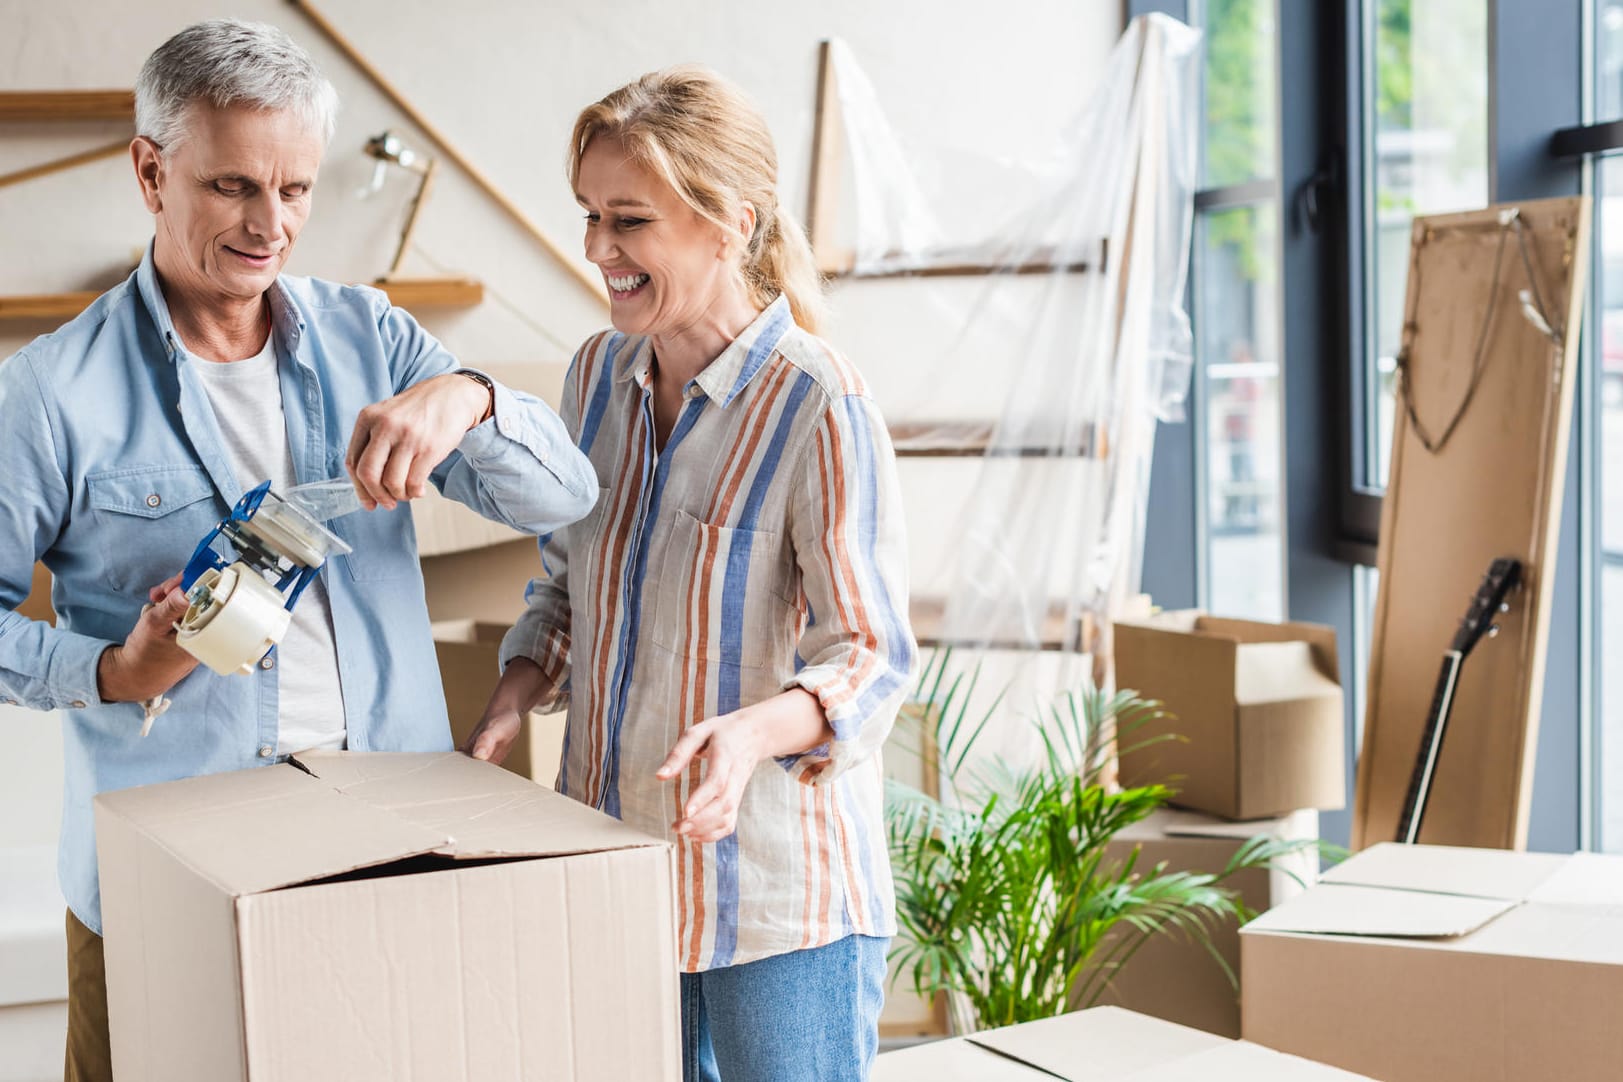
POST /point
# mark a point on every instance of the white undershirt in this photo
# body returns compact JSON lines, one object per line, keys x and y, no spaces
{"x":247,"y":400}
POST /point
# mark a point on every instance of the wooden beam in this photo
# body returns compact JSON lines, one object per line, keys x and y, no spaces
{"x":826,"y":161}
{"x":973,"y":439}
{"x":590,"y":280}
{"x":18,"y":105}
{"x":58,"y":165}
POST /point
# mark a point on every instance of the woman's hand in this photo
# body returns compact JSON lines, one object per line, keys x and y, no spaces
{"x":522,"y":685}
{"x":732,"y":745}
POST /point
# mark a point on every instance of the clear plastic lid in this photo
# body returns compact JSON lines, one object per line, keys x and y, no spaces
{"x":326,"y":500}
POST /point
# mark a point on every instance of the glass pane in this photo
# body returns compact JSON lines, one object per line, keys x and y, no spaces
{"x":1608,"y":59}
{"x":1237,"y":339}
{"x":1427,"y":116}
{"x":1608,"y":360}
{"x":1237,"y":136}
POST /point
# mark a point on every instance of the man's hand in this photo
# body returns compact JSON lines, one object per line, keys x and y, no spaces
{"x":149,"y":662}
{"x":398,"y":442}
{"x":731,"y":748}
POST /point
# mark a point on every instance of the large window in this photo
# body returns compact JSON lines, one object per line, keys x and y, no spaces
{"x":1236,"y":310}
{"x":1606,"y":413}
{"x":1425,"y":147}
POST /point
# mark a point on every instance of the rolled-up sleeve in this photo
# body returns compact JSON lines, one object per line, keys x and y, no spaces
{"x":846,"y":525}
{"x":521,"y":466}
{"x":41,"y":667}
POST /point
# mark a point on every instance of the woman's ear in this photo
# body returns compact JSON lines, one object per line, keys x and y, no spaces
{"x":746,"y":221}
{"x":148,"y":161}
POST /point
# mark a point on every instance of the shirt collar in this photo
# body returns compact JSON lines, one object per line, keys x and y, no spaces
{"x":726,"y":377}
{"x":285,"y":318}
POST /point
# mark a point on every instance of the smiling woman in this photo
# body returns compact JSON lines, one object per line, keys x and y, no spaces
{"x":730,"y":627}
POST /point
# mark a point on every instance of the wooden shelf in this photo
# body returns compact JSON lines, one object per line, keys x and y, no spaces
{"x":409,"y":293}
{"x":50,"y":105}
{"x":956,"y":264}
{"x":412,"y":293}
{"x":973,"y":439}
{"x":1058,"y":633}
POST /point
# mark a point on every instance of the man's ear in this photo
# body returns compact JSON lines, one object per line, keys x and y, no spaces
{"x":148,"y":162}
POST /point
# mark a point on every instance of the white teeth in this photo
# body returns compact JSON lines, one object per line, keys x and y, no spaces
{"x":627,"y":283}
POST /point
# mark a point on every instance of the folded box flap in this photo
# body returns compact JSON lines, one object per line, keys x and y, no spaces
{"x":952,"y":1060}
{"x":1340,"y":909}
{"x":477,"y":808}
{"x":1583,"y":879}
{"x":1241,"y":1061}
{"x":1441,"y":869}
{"x":1273,"y":672}
{"x":1096,"y":1045}
{"x":269,"y":828}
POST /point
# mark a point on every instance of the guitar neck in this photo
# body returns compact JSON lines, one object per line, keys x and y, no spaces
{"x":1431,"y":746}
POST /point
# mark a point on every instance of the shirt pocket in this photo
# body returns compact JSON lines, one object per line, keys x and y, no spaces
{"x":149,"y":520}
{"x":382,"y":542}
{"x":720,"y":596}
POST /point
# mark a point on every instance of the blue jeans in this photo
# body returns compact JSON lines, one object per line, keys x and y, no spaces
{"x":811,"y":1014}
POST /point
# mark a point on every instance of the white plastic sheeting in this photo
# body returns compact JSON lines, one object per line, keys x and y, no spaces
{"x":1065,"y":358}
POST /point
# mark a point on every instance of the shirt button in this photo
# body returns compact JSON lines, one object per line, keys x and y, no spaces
{"x":265,"y":751}
{"x":695,"y":391}
{"x":154,"y":500}
{"x":267,"y":662}
{"x":77,"y":704}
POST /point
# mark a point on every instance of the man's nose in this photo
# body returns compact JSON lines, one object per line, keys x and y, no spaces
{"x":267,"y":217}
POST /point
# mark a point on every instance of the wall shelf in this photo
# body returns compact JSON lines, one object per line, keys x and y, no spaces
{"x":52,"y":105}
{"x":409,"y":293}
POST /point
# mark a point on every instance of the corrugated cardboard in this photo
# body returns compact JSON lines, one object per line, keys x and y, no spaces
{"x":1105,"y":1044}
{"x":1257,"y":708}
{"x":382,"y":916}
{"x":1174,"y":977}
{"x":1415,"y":963}
{"x":37,"y":605}
{"x":469,"y":653}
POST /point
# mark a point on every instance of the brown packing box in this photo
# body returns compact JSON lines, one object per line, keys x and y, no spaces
{"x":1173,"y":976}
{"x":1105,"y":1044}
{"x":1258,"y":707}
{"x":37,"y":605}
{"x":469,"y":653}
{"x":1429,"y":963}
{"x":382,"y":917}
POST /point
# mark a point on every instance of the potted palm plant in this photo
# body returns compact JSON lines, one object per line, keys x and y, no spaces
{"x":1006,"y":899}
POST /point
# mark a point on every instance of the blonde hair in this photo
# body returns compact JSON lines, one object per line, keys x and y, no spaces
{"x":703,"y":137}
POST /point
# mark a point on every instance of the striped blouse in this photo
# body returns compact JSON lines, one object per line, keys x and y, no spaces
{"x":762,"y":549}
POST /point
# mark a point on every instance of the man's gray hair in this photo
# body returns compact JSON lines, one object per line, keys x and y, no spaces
{"x":226,"y":62}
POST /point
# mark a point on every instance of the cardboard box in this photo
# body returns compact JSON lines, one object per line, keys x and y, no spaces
{"x":1105,"y":1044}
{"x":1258,"y":708}
{"x":383,"y":916}
{"x":37,"y":605}
{"x":469,"y":653}
{"x":1175,"y":977}
{"x":1429,"y":963}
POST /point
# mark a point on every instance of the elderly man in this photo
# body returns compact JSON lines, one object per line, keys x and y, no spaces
{"x":127,"y":434}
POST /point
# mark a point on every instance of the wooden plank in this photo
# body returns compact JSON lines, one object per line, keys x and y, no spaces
{"x":973,"y":439}
{"x":826,"y":162}
{"x":409,"y":293}
{"x":17,"y":105}
{"x":928,"y":614}
{"x":59,"y":165}
{"x":412,"y":293}
{"x":61,"y":306}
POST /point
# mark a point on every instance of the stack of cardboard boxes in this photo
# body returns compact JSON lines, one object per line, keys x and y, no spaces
{"x":1253,"y":745}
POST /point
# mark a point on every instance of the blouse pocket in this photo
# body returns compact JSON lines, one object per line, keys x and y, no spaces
{"x":720,"y":596}
{"x":150,"y":519}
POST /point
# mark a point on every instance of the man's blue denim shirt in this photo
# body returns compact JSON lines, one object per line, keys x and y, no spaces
{"x":112,"y":469}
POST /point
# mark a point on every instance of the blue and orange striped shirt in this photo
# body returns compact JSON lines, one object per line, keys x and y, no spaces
{"x":762,"y":549}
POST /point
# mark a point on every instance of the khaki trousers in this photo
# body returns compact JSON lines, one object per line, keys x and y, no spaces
{"x":89,"y":1053}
